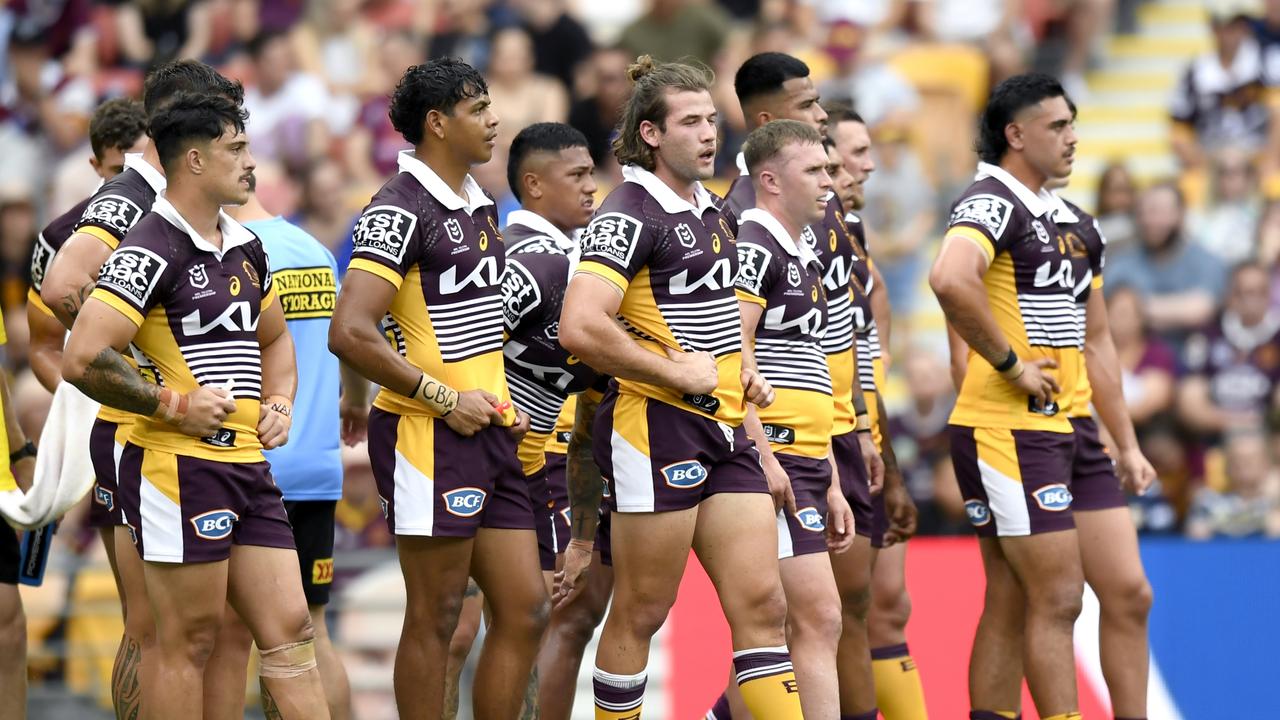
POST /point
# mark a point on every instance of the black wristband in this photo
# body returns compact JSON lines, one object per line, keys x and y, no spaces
{"x":26,"y":451}
{"x":1009,"y":361}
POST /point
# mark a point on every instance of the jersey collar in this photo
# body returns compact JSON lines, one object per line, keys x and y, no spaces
{"x":799,"y":250}
{"x":666,"y":197}
{"x":476,"y":196}
{"x":1036,"y":204}
{"x":741,"y":160}
{"x":1061,"y":213}
{"x":148,"y":172}
{"x":534,"y":221}
{"x":233,"y":233}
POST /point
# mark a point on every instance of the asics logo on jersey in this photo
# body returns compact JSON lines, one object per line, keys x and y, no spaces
{"x":116,"y":212}
{"x":1063,"y":277}
{"x":236,"y":317}
{"x":719,"y":277}
{"x":464,"y":502}
{"x":384,"y":230}
{"x":484,"y":275}
{"x":104,"y":497}
{"x":133,"y":272}
{"x":612,"y":235}
{"x":215,"y":524}
{"x":779,"y":434}
{"x":1054,"y":498}
{"x":810,"y":519}
{"x":978,"y":512}
{"x":990,"y":211}
{"x":685,"y":475}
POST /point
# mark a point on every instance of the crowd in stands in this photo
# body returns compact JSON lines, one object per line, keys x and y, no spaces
{"x":1191,"y":274}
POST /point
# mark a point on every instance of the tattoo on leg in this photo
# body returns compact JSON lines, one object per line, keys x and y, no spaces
{"x":126,"y":690}
{"x":270,"y":710}
{"x":530,"y":709}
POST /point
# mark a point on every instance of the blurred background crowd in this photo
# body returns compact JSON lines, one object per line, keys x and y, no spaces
{"x":1179,"y":158}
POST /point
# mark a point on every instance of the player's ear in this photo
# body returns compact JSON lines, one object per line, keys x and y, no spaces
{"x":195,"y":160}
{"x":650,"y":133}
{"x":433,"y":123}
{"x":763,"y":118}
{"x":1013,"y":135}
{"x":532,"y":185}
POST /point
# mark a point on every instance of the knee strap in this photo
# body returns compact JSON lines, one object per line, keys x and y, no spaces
{"x":287,"y":661}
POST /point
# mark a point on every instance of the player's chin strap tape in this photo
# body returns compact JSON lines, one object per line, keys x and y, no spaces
{"x":287,"y":661}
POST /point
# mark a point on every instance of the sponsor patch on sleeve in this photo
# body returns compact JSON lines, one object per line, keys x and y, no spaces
{"x":114,"y":212}
{"x":385,"y":231}
{"x":988,"y":211}
{"x":753,"y":260}
{"x":611,"y":236}
{"x":133,"y":273}
{"x":41,"y":255}
{"x":520,"y":293}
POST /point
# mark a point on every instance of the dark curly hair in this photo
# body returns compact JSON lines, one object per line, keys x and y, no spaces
{"x":190,"y":76}
{"x":117,"y":123}
{"x":1008,"y":99}
{"x":434,"y":85}
{"x":539,"y":137}
{"x":188,"y":118}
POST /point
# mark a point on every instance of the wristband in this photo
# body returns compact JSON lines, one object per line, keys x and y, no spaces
{"x":1012,"y":368}
{"x":172,"y":407}
{"x":438,"y":397}
{"x":862,"y":423}
{"x":280,"y":404}
{"x":26,"y":451}
{"x":1009,"y":362}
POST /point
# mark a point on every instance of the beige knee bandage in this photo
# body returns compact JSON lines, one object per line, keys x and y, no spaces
{"x":287,"y":661}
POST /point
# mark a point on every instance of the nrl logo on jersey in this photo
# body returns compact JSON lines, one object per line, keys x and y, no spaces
{"x":198,"y":276}
{"x":1041,"y":234}
{"x":809,"y":237}
{"x":685,"y":235}
{"x":793,"y":274}
{"x":990,"y":211}
{"x":454,"y":229}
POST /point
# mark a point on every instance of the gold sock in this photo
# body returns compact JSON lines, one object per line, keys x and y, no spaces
{"x":899,"y":692}
{"x":768,"y":683}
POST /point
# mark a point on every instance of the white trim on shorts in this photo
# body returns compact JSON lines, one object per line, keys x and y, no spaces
{"x":632,"y":476}
{"x":161,"y":520}
{"x":414,"y":499}
{"x":1006,"y":500}
{"x":786,"y":548}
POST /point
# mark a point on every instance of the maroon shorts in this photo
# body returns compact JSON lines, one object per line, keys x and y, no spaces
{"x":604,"y":537}
{"x":106,"y":440}
{"x":879,"y":521}
{"x":434,"y":482}
{"x":802,"y":533}
{"x":1014,"y":482}
{"x":182,"y":509}
{"x":854,"y":482}
{"x":1094,"y":483}
{"x":658,"y":457}
{"x":550,"y":497}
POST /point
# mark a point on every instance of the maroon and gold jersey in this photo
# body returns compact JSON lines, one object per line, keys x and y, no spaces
{"x":122,"y":201}
{"x":1087,"y":246}
{"x":1030,"y":283}
{"x":47,"y":244}
{"x":197,"y":308}
{"x":784,"y":277}
{"x":444,"y":255}
{"x":675,"y":264}
{"x":870,"y":369}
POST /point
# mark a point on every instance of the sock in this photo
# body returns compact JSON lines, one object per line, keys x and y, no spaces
{"x":868,"y":715}
{"x":720,"y":711}
{"x":898,"y":690}
{"x":994,"y":715}
{"x":768,"y":682}
{"x":618,"y":697}
{"x":1129,"y":718}
{"x":1064,"y":716}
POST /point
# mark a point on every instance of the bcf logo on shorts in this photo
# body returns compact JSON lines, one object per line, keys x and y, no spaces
{"x":104,"y":497}
{"x":464,"y":502}
{"x":1054,"y":498}
{"x":215,"y":524}
{"x":810,"y":519}
{"x":978,"y":512}
{"x":685,"y":475}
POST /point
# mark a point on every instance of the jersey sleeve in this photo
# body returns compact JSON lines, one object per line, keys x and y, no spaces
{"x":757,"y":272}
{"x":522,"y":295}
{"x":132,"y":281}
{"x":382,"y":242}
{"x":109,"y":217}
{"x":41,"y":255}
{"x":1098,"y":255}
{"x":614,"y":247}
{"x":983,"y":219}
{"x":262,"y":265}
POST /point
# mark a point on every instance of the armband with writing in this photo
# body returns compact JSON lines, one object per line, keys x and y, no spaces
{"x":435,"y":395}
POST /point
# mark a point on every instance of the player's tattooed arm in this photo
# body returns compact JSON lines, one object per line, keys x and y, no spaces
{"x":110,"y":380}
{"x":956,"y":279}
{"x":586,"y":486}
{"x":72,"y":275}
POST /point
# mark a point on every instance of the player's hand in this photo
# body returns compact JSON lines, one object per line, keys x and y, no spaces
{"x":355,"y":421}
{"x":1135,"y":471}
{"x":572,"y":578}
{"x":23,"y":472}
{"x":696,"y":372}
{"x":875,"y":463}
{"x":207,"y":408}
{"x":275,"y":417}
{"x":900,"y":510}
{"x":779,"y":484}
{"x":521,"y":425}
{"x":839,"y":532}
{"x":755,"y":389}
{"x":1035,"y":382}
{"x":475,"y":411}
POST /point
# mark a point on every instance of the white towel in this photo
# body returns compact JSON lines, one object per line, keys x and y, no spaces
{"x":63,"y":473}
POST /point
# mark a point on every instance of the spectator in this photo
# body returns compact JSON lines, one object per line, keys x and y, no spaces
{"x":289,"y":110}
{"x":1220,"y":100}
{"x":1181,"y":283}
{"x":988,"y":24}
{"x":1147,"y":365}
{"x":1117,"y":194}
{"x":919,"y":431}
{"x":676,"y":29}
{"x":596,"y":115}
{"x":1250,"y":507}
{"x":522,"y":96}
{"x":153,"y":32}
{"x":880,"y":94}
{"x":372,"y":145}
{"x":463,"y":31}
{"x":560,"y":43}
{"x":1233,"y":366}
{"x":900,"y":217}
{"x":1229,"y":227}
{"x":322,"y":213}
{"x":335,"y":42}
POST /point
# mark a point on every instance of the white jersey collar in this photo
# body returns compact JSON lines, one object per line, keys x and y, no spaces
{"x":799,"y":250}
{"x":233,"y":233}
{"x":476,"y":197}
{"x":1036,"y":204}
{"x":154,"y":177}
{"x":666,"y":197}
